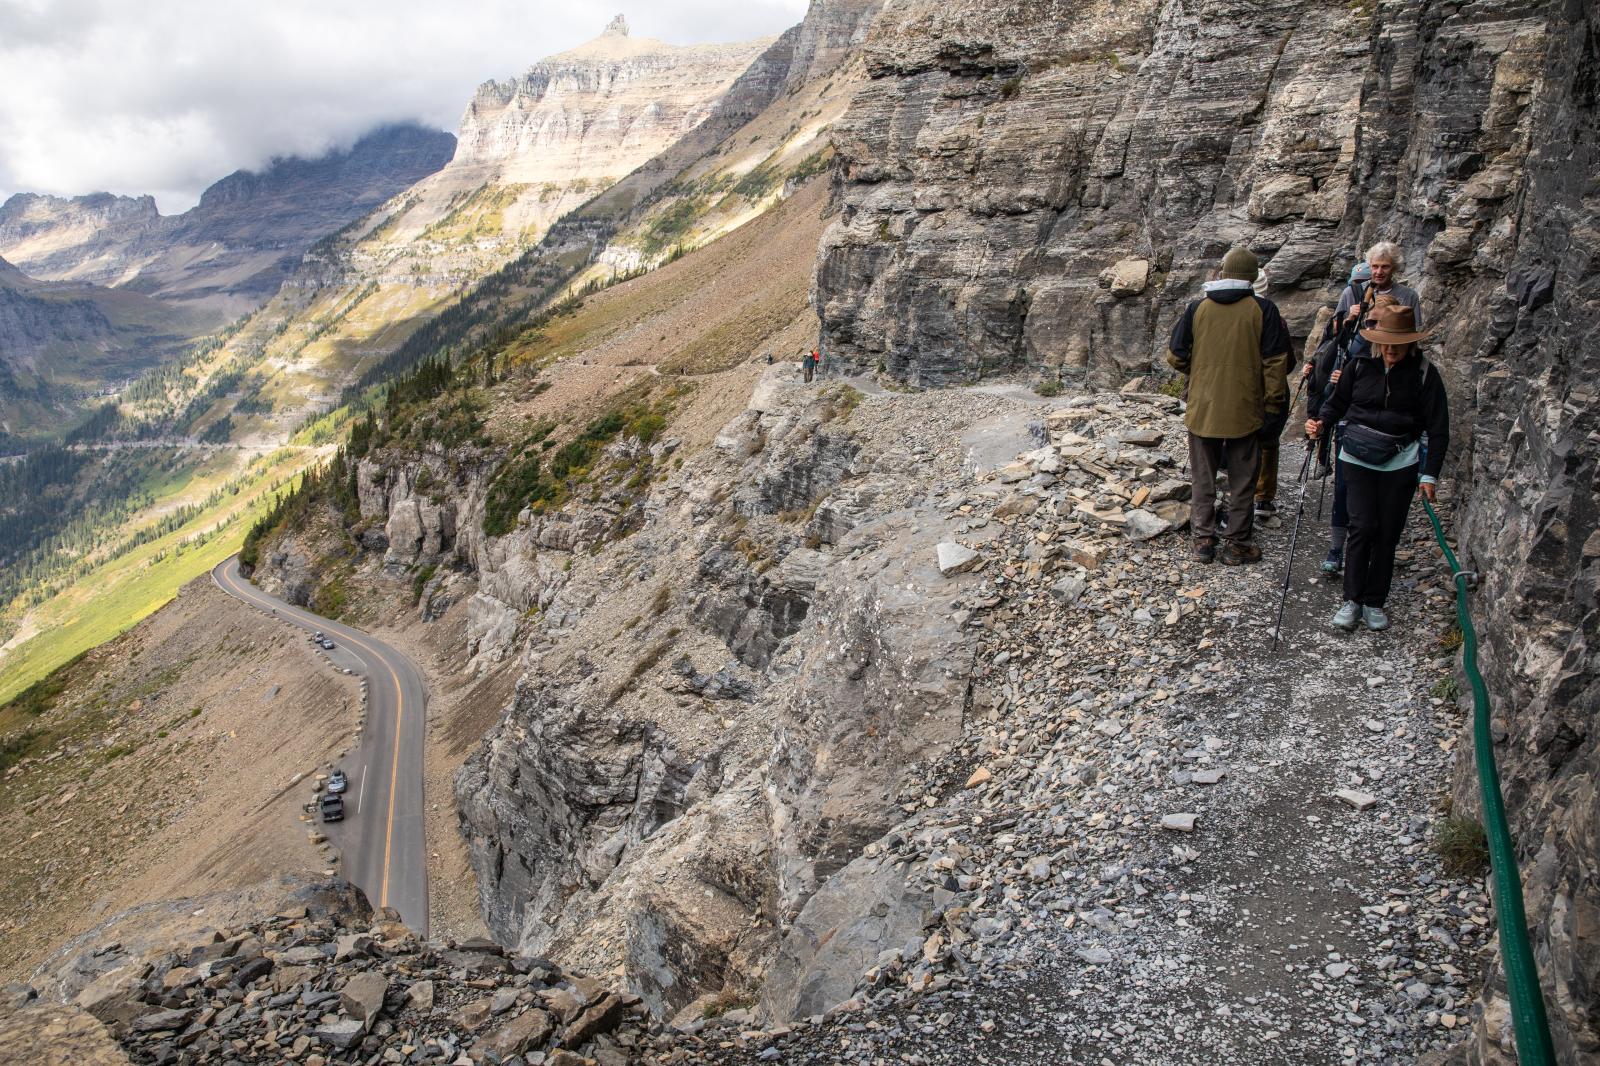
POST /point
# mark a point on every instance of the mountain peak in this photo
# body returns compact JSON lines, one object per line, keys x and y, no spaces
{"x":617,"y":27}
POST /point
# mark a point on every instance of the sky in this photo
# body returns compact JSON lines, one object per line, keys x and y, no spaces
{"x":166,"y":96}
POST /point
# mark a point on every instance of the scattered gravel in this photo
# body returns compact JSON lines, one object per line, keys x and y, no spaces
{"x":1159,"y":841}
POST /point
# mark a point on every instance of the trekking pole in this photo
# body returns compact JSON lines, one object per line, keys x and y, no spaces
{"x":1294,"y":537}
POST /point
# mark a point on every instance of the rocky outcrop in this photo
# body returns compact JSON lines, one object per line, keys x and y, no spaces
{"x":233,"y":249}
{"x":274,"y":977}
{"x":604,"y":107}
{"x":1006,"y":155}
{"x":1515,"y":252}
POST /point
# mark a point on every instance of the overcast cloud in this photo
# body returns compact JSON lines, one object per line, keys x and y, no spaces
{"x":167,"y":96}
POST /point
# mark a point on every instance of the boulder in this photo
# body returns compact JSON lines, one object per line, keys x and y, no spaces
{"x":1128,"y":277}
{"x":957,"y":558}
{"x":527,"y":1031}
{"x":362,"y":996}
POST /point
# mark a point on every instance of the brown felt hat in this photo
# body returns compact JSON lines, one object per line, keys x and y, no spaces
{"x":1396,"y":325}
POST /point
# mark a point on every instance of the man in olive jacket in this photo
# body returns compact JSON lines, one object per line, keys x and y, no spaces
{"x":1234,"y":348}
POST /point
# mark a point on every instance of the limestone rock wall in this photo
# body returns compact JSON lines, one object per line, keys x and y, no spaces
{"x":1010,"y":161}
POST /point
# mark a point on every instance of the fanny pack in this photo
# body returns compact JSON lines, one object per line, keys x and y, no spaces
{"x":1368,"y":445}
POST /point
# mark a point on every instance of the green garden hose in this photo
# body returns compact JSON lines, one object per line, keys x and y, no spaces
{"x":1522,"y":975}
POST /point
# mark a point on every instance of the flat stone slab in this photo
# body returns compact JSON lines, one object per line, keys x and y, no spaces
{"x":956,"y":558}
{"x":1182,"y":823}
{"x":1361,"y":801}
{"x":1139,"y":524}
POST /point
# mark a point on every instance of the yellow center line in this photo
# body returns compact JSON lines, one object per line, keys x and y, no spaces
{"x":399,"y":717}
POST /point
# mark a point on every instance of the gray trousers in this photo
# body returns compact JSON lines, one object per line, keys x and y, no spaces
{"x":1241,"y":458}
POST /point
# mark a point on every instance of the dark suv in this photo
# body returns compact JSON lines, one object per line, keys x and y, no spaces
{"x":333,"y":808}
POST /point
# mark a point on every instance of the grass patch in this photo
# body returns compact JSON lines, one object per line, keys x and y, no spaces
{"x":420,"y":582}
{"x":332,"y":597}
{"x":1171,"y":387}
{"x":15,"y":747}
{"x":725,"y":1001}
{"x":1048,"y":388}
{"x":1445,"y":688}
{"x":40,"y":697}
{"x":1462,"y":845}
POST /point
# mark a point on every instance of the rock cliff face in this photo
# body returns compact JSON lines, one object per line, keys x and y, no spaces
{"x":534,"y":147}
{"x":1034,"y":187}
{"x":235,"y":247}
{"x":593,"y":110}
{"x":1008,"y":158}
{"x":61,"y":342}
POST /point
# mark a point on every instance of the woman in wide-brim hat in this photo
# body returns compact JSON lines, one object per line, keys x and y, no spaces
{"x":1386,"y":405}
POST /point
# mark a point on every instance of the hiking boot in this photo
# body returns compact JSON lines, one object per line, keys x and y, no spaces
{"x":1205,"y":549}
{"x":1375,"y":619}
{"x":1240,"y":552}
{"x":1266,"y":508}
{"x":1345,"y":617}
{"x":1334,"y":562}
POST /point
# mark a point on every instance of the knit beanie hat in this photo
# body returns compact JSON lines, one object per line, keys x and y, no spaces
{"x":1240,"y":264}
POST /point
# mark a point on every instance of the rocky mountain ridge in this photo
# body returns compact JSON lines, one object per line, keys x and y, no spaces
{"x":233,"y":249}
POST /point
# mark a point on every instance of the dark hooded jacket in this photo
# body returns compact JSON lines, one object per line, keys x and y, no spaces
{"x":1407,"y":402}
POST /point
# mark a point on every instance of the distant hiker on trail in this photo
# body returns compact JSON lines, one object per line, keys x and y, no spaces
{"x":1387,"y":404}
{"x":1234,"y":348}
{"x":808,"y":365}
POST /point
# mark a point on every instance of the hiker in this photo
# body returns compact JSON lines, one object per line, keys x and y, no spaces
{"x":1387,"y":403}
{"x":1271,"y":438}
{"x":1324,"y":376}
{"x":1383,"y":263}
{"x":1234,"y":349}
{"x":808,"y":363}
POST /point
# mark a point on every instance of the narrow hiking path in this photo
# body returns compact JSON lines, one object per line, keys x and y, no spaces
{"x":1287,"y":926}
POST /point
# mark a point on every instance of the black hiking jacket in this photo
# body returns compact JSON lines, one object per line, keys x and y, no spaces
{"x":1407,"y":402}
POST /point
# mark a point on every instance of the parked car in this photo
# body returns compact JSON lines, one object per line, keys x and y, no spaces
{"x":327,"y":645}
{"x":337,"y":782}
{"x":333,"y":807}
{"x":317,"y":636}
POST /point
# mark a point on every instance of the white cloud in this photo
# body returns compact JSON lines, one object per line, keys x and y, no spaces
{"x":167,"y":96}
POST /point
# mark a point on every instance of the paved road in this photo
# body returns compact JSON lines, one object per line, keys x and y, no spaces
{"x":381,"y":837}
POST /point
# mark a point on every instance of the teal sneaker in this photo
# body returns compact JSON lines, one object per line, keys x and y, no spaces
{"x":1346,"y":616}
{"x":1375,"y":618}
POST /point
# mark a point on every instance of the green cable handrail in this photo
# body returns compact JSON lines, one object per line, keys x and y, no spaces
{"x":1531,"y":1026}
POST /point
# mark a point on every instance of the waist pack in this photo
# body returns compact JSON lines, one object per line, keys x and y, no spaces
{"x":1372,"y":446}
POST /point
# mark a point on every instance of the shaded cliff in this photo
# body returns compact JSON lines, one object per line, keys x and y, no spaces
{"x":63,"y":342}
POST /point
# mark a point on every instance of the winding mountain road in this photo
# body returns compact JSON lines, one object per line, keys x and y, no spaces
{"x":381,"y":837}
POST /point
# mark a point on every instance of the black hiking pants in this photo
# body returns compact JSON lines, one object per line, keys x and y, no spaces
{"x":1379,"y":501}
